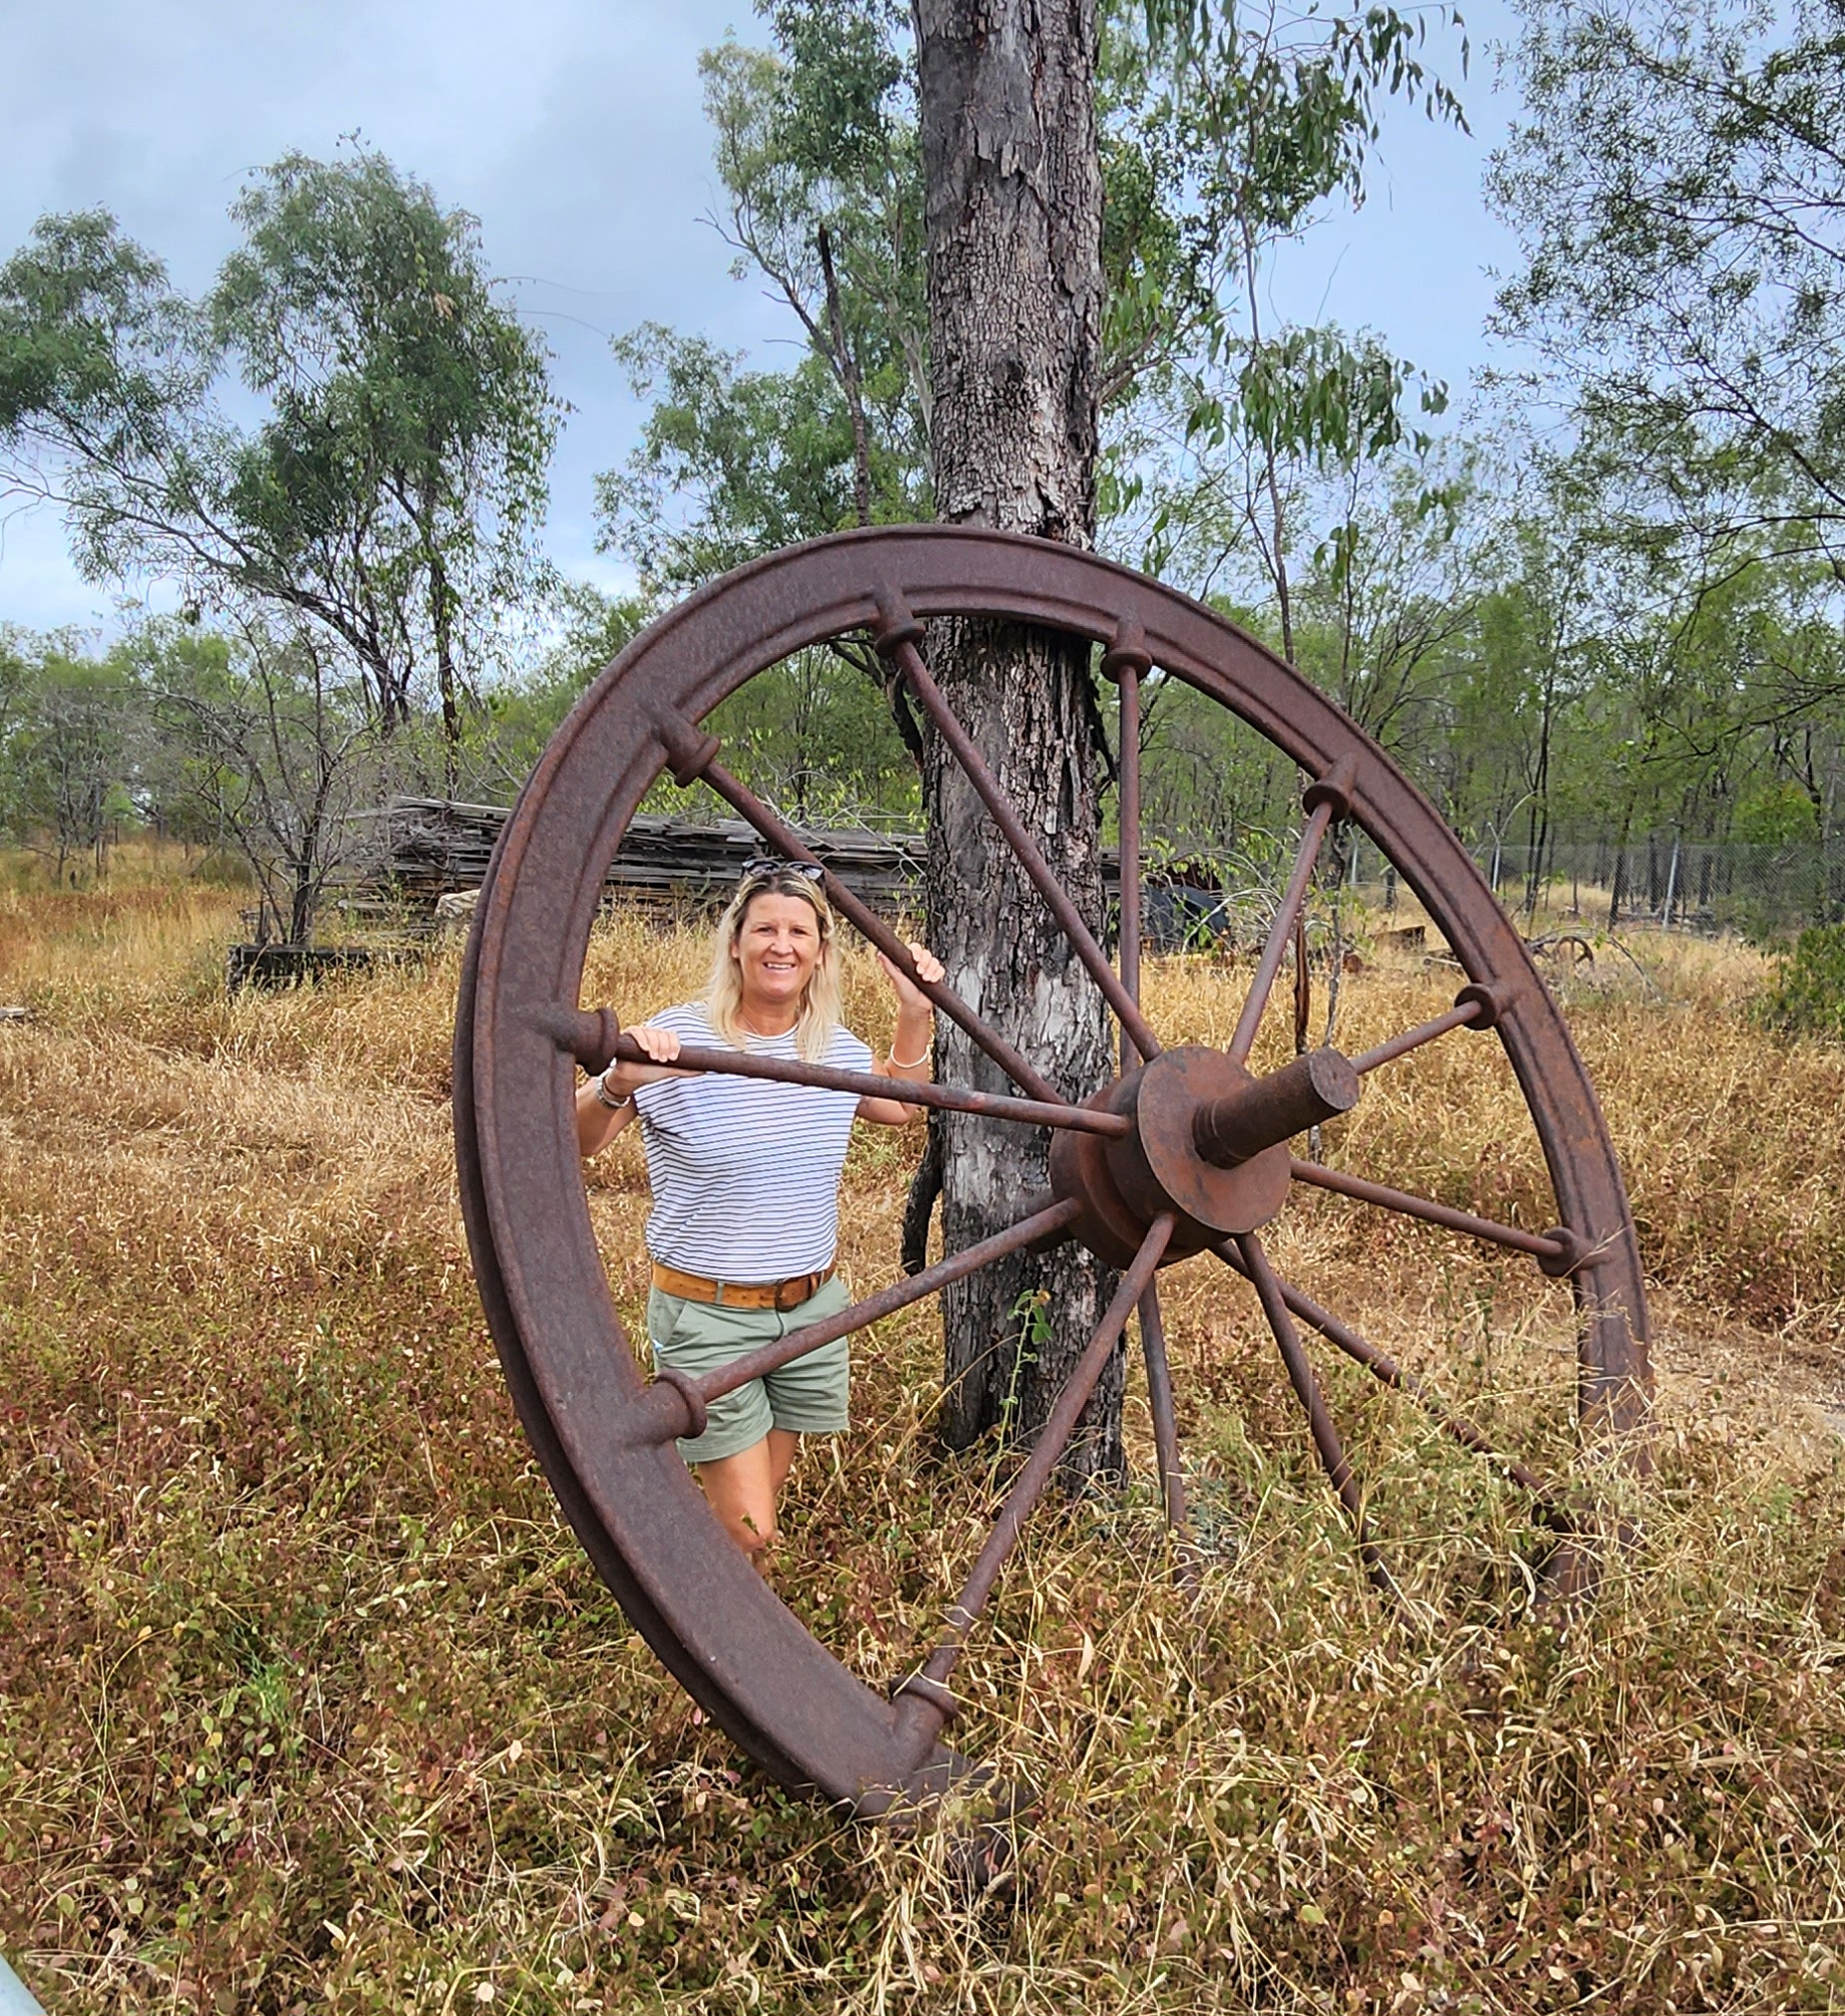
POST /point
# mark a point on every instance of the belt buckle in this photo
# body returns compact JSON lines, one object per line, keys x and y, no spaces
{"x":805,"y":1282}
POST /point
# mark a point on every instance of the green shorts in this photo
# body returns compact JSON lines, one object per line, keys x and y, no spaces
{"x":807,"y":1396}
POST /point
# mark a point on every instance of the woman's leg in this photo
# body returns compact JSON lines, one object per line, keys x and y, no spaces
{"x":743,"y":1489}
{"x":784,"y":1446}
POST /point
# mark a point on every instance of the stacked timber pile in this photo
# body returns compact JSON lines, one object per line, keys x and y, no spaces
{"x":427,"y":848}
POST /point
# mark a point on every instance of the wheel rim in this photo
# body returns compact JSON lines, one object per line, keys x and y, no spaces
{"x":605,"y":1437}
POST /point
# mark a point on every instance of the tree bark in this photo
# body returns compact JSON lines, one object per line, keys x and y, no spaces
{"x":846,"y":368}
{"x":1013,"y":190}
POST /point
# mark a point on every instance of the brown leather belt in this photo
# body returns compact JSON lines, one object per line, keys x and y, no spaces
{"x":779,"y":1295}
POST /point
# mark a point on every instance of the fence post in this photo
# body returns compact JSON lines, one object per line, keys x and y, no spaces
{"x":1671,"y":883}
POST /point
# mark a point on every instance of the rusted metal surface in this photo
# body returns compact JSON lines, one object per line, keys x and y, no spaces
{"x":1129,"y":1176}
{"x":1381,"y":1365}
{"x":1161,"y":1406}
{"x":1458,"y":1017}
{"x":926,"y":1707}
{"x":1316,"y":1088}
{"x":869,"y":1086}
{"x":1125,"y":662}
{"x":1325,"y":1440}
{"x":1540,"y":1245}
{"x":1004,"y":815}
{"x":1159,"y":1166}
{"x":1325,"y":801}
{"x":674,"y":1405}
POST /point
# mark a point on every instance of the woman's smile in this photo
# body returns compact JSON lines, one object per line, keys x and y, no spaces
{"x":777,"y":952}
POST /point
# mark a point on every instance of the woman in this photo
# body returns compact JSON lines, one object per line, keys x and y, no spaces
{"x":746,"y":1176}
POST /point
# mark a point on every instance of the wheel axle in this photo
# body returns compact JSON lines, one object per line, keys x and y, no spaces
{"x":1208,"y":1144}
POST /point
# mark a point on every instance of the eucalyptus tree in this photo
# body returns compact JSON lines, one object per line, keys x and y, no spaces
{"x":1677,"y":182}
{"x":66,"y":732}
{"x":1013,"y":180}
{"x":386,"y":495}
{"x":815,"y":149}
{"x":1080,"y":177}
{"x":1273,"y":110}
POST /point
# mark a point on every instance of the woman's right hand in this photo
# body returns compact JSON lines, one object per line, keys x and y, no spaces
{"x":662,"y":1046}
{"x":605,"y":1104}
{"x":658,"y":1048}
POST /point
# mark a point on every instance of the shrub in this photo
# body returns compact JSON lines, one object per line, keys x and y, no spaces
{"x":1808,"y":996}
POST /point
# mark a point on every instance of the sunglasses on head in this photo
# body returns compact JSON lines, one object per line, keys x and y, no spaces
{"x":766,"y":867}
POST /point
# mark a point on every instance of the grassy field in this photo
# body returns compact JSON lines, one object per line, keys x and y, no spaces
{"x":308,"y":1699}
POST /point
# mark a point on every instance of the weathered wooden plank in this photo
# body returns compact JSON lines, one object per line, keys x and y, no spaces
{"x":429,"y":848}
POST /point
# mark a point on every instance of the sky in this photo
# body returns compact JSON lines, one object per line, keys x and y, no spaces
{"x":573,"y":132}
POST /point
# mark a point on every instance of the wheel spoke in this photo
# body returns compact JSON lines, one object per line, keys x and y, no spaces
{"x":1475,"y":1005}
{"x":1051,"y":1223}
{"x":1005,"y":815}
{"x":1159,"y":1401}
{"x":869,"y":1086}
{"x":1307,"y":1391}
{"x":870,"y":925}
{"x":1129,"y":950}
{"x":1325,"y":800}
{"x":673,"y":1406}
{"x":1303,"y":986}
{"x":1382,"y":1366}
{"x":1543,"y":1248}
{"x":927,"y":1690}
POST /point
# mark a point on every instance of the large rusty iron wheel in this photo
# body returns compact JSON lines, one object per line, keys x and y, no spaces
{"x":1186,"y":1151}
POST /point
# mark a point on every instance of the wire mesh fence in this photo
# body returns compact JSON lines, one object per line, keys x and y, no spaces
{"x":1662,"y":878}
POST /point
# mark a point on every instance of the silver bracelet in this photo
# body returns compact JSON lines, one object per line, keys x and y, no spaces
{"x":899,"y":1065}
{"x":602,"y":1086}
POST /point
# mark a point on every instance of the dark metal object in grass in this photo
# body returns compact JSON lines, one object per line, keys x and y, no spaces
{"x":1187,"y":1149}
{"x":282,"y":966}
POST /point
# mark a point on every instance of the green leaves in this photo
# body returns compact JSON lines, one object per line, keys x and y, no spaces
{"x":1808,"y":995}
{"x":93,"y":338}
{"x":1312,"y":395}
{"x":1285,"y":105}
{"x":1680,"y":198}
{"x":392,"y":487}
{"x":732,"y":463}
{"x":66,"y":729}
{"x":816,"y":141}
{"x":816,"y":147}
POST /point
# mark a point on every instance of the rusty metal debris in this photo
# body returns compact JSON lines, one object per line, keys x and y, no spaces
{"x":1186,"y":1151}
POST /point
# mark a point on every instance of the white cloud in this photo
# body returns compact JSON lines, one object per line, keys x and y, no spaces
{"x":573,"y":130}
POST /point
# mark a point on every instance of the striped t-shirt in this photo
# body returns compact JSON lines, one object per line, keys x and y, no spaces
{"x":745,"y":1171}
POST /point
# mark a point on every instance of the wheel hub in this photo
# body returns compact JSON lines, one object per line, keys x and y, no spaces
{"x":1209,"y":1144}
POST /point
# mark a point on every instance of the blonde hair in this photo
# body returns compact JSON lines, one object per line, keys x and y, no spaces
{"x":722,"y":999}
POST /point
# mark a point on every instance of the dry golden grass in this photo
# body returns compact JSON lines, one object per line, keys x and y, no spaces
{"x":309,"y":1700}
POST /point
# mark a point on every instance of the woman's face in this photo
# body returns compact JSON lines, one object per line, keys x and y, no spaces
{"x":778,"y":947}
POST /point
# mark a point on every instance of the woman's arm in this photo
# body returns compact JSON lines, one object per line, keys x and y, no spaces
{"x":605,"y":1106}
{"x":911,"y":1049}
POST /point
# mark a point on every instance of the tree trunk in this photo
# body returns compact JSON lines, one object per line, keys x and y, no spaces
{"x":846,"y":368}
{"x":442,"y":622}
{"x":1014,"y":292}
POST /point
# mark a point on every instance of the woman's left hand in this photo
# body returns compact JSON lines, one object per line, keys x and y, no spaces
{"x":909,"y":995}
